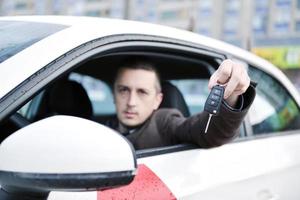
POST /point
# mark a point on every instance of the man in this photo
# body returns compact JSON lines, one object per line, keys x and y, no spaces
{"x":137,"y":96}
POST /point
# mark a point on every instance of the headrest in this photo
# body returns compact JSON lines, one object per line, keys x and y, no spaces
{"x":66,"y":97}
{"x":172,"y":98}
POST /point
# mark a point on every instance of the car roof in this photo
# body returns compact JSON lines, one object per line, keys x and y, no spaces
{"x":84,"y":29}
{"x":95,"y":27}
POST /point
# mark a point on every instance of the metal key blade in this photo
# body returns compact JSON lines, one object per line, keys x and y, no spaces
{"x":209,"y":118}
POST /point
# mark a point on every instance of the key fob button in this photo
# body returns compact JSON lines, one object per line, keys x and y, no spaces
{"x":217,"y":92}
{"x":212,"y":102}
{"x":214,"y":97}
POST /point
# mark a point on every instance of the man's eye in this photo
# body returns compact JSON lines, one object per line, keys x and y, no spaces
{"x":142,"y":92}
{"x":122,"y":90}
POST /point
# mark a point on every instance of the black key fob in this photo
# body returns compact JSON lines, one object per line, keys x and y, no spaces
{"x":214,"y":100}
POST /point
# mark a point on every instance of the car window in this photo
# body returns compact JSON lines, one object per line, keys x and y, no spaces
{"x":19,"y":35}
{"x":99,"y":93}
{"x":273,"y":108}
{"x":194,"y":91}
{"x":24,"y":109}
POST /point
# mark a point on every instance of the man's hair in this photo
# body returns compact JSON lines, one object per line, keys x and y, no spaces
{"x":140,"y":62}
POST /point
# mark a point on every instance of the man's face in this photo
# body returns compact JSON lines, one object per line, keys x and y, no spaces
{"x":136,"y":96}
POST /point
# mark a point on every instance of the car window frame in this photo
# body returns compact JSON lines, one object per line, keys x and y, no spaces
{"x":16,"y":97}
{"x":69,"y":61}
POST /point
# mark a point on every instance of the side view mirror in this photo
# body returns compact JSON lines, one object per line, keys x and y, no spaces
{"x":63,"y":153}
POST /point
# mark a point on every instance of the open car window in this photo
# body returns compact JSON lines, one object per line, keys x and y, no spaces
{"x":195,"y":92}
{"x":92,"y":82}
{"x":99,"y":92}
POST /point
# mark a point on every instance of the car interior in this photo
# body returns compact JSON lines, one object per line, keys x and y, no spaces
{"x":69,"y":97}
{"x":64,"y":97}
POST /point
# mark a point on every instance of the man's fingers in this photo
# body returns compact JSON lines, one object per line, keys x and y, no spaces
{"x":238,"y":84}
{"x":243,"y":86}
{"x":225,"y":72}
{"x":213,"y":80}
{"x":233,"y":82}
{"x":222,"y":75}
{"x":233,"y":76}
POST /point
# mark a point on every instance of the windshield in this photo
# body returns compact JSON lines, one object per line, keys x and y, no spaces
{"x":17,"y":35}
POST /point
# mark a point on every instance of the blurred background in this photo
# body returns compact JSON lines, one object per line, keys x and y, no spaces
{"x":269,"y":28}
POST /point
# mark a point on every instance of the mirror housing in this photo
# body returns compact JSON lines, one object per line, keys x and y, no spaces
{"x":64,"y":153}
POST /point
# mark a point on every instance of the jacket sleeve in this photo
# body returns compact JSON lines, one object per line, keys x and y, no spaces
{"x":222,"y":129}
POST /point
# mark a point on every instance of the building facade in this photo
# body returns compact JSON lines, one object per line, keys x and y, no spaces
{"x":234,"y":21}
{"x":256,"y":25}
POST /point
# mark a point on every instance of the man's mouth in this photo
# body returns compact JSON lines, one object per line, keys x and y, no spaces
{"x":130,"y":114}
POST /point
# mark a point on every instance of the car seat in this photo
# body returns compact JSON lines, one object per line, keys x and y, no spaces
{"x":65,"y":97}
{"x":173,"y":98}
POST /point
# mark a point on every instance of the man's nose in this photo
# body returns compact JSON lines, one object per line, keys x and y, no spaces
{"x":132,"y":99}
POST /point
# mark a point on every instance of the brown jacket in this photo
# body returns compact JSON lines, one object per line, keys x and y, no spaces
{"x":168,"y":127}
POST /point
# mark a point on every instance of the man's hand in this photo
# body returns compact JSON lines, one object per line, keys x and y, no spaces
{"x":234,"y":77}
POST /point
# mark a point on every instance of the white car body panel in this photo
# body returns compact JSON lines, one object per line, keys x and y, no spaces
{"x":202,"y":173}
{"x":248,"y":173}
{"x":69,"y":38}
{"x":73,"y":196}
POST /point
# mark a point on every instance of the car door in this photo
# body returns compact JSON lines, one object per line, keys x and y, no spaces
{"x":70,"y":61}
{"x":268,"y":162}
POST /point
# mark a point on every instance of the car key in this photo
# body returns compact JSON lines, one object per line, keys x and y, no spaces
{"x":213,"y":102}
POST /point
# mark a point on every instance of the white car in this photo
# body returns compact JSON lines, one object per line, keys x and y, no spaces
{"x":54,"y":145}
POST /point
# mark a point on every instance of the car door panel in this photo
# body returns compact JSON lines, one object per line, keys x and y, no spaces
{"x":200,"y":173}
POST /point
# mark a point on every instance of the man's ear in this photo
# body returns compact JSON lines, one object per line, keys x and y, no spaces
{"x":159,"y":98}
